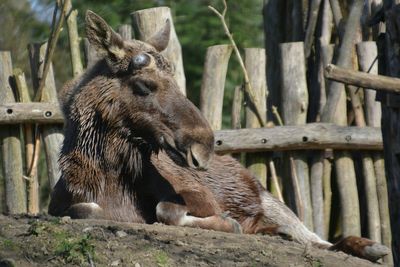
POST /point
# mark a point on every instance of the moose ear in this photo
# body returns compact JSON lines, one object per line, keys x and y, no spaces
{"x":102,"y":37}
{"x":160,"y":40}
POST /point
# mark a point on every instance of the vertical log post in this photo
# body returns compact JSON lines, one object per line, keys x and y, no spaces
{"x":11,"y":145}
{"x":273,"y":11}
{"x":255,"y":62}
{"x":29,"y":133}
{"x":294,"y":112}
{"x":321,"y":192}
{"x":146,"y":23}
{"x":237,"y":108}
{"x":336,"y":111}
{"x":213,"y":84}
{"x":374,"y":231}
{"x":74,"y":40}
{"x":125,"y":31}
{"x":367,"y":55}
{"x":52,"y":135}
{"x":91,"y":56}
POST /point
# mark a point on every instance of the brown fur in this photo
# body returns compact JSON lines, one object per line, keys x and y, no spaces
{"x":137,"y":150}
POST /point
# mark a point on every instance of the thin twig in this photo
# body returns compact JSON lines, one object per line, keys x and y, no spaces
{"x":296,"y":186}
{"x":247,"y":85}
{"x":277,"y":116}
{"x":35,"y":159}
{"x":275,"y":180}
{"x":51,"y":46}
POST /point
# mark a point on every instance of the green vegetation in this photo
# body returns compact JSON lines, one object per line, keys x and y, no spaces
{"x":162,"y":258}
{"x":75,"y":250}
{"x":36,"y":228}
{"x":8,"y":244}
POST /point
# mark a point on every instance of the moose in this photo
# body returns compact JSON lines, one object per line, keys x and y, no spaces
{"x":137,"y":150}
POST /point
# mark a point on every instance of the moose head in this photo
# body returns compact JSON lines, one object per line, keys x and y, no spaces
{"x":138,"y":92}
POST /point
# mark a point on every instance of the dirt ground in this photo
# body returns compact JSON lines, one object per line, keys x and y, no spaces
{"x":50,"y":241}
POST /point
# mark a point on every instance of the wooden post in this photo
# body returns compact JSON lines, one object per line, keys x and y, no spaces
{"x":273,"y":12}
{"x":326,"y":181}
{"x":344,"y":59}
{"x":294,"y":112}
{"x":74,"y":40}
{"x":237,"y":108}
{"x":91,"y":56}
{"x":146,"y":23}
{"x":367,"y":55}
{"x":320,"y":175}
{"x":30,"y":153}
{"x":312,"y":23}
{"x":336,"y":111}
{"x":125,"y":31}
{"x":213,"y":84}
{"x":374,"y":230}
{"x":11,"y":145}
{"x":255,"y":62}
{"x":52,"y":135}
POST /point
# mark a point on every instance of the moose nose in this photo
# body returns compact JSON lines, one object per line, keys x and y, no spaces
{"x":199,"y":156}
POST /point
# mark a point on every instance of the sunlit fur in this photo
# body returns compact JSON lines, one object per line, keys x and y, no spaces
{"x":128,"y":132}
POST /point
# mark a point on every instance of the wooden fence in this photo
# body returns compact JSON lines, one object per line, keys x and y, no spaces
{"x":330,"y":173}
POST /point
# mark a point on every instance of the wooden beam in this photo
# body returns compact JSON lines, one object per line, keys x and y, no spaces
{"x":42,"y":113}
{"x":310,"y":136}
{"x":362,"y":79}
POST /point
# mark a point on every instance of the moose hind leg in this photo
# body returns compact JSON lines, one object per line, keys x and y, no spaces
{"x":85,"y":210}
{"x":177,"y":214}
{"x":361,"y":247}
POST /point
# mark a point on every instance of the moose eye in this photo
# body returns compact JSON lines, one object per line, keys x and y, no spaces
{"x":143,"y":88}
{"x":139,"y":61}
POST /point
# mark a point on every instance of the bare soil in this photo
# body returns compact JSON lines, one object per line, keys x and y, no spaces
{"x":50,"y":241}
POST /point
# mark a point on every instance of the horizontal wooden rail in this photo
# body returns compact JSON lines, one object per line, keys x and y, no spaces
{"x":43,"y":113}
{"x":362,"y":79}
{"x":309,"y":136}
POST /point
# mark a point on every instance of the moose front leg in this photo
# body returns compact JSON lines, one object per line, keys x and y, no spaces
{"x":175,"y":212}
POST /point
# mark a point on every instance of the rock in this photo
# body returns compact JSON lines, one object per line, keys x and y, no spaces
{"x":65,"y":219}
{"x":121,"y":234}
{"x":7,"y":263}
{"x":115,"y":263}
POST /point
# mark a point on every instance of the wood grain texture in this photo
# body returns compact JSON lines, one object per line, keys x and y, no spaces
{"x":52,"y":135}
{"x":41,"y":113}
{"x":255,"y":63}
{"x":361,"y":79}
{"x":294,"y":112}
{"x":125,"y":30}
{"x":15,"y":190}
{"x":367,"y":54}
{"x":309,"y":136}
{"x":213,"y":84}
{"x":146,"y":23}
{"x":29,"y":138}
{"x":74,"y":40}
{"x":91,"y":56}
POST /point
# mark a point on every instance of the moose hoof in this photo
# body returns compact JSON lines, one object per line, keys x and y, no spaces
{"x":362,"y":248}
{"x":236,"y":227}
